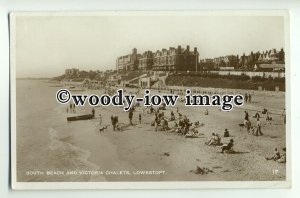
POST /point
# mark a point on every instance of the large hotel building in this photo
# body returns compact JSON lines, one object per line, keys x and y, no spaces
{"x":173,"y":59}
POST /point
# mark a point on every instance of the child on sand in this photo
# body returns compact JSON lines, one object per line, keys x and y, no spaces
{"x":226,"y":133}
{"x":206,"y":112}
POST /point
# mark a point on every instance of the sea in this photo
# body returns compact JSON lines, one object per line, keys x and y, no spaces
{"x":45,"y":150}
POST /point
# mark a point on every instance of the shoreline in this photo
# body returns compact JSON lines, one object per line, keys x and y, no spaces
{"x":140,"y":148}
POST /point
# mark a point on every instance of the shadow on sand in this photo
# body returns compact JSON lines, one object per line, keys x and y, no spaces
{"x":235,"y":152}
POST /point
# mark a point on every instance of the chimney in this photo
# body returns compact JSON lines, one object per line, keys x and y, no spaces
{"x":195,"y":50}
{"x":188,"y":48}
{"x":179,"y":49}
{"x":134,"y":51}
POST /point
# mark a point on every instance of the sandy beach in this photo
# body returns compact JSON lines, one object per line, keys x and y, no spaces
{"x":78,"y":151}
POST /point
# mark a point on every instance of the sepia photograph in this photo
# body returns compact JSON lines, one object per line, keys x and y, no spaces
{"x":150,"y":100}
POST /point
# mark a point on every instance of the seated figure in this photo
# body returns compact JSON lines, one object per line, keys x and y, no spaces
{"x":227,"y":147}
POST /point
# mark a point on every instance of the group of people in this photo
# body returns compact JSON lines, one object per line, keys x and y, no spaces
{"x":277,"y":157}
{"x":182,"y":126}
{"x":257,"y":117}
{"x":249,"y":126}
{"x":215,"y":140}
{"x":130,"y":116}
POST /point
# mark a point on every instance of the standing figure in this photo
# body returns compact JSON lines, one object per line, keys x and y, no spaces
{"x":246,"y":97}
{"x":130,"y":116}
{"x":249,"y":98}
{"x":100,"y":119}
{"x":140,"y":118}
{"x":246,"y":118}
{"x":71,"y":107}
{"x":284,"y":116}
{"x":268,"y":118}
{"x":112,"y":119}
{"x":74,"y":108}
{"x":93,"y":112}
{"x":156,"y":122}
{"x":257,"y":115}
{"x":115,"y":122}
{"x":258,"y":128}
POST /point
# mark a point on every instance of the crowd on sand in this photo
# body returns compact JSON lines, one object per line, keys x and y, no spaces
{"x":182,"y":125}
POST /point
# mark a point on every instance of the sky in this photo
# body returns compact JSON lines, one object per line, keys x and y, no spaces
{"x":47,"y":45}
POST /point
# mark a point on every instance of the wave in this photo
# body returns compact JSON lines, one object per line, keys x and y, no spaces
{"x":77,"y":157}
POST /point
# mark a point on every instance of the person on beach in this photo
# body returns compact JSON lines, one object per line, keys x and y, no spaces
{"x":211,"y":140}
{"x":206,"y":112}
{"x":227,"y":147}
{"x":246,"y":97}
{"x":257,"y":115}
{"x":246,"y":118}
{"x":187,"y":125}
{"x":100,"y":119}
{"x":214,"y":140}
{"x":172,"y":116}
{"x":93,"y":112}
{"x":249,"y":127}
{"x":226,"y":133}
{"x":181,"y":124}
{"x":130,"y":115}
{"x":151,"y":109}
{"x":156,"y":122}
{"x":249,"y":98}
{"x":282,"y":158}
{"x":268,"y":118}
{"x":115,"y":122}
{"x":140,"y":118}
{"x":217,"y":139}
{"x":258,"y":128}
{"x":275,"y":156}
{"x":74,"y":108}
{"x":284,"y":116}
{"x":165,"y":124}
{"x":111,"y":119}
{"x":71,"y":105}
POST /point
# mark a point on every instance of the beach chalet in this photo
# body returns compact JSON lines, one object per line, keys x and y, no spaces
{"x":269,"y":67}
{"x":227,"y":68}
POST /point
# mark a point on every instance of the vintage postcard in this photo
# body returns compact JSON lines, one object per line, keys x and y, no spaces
{"x":150,"y":100}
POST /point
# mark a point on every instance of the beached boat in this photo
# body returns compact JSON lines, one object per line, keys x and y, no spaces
{"x":81,"y":117}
